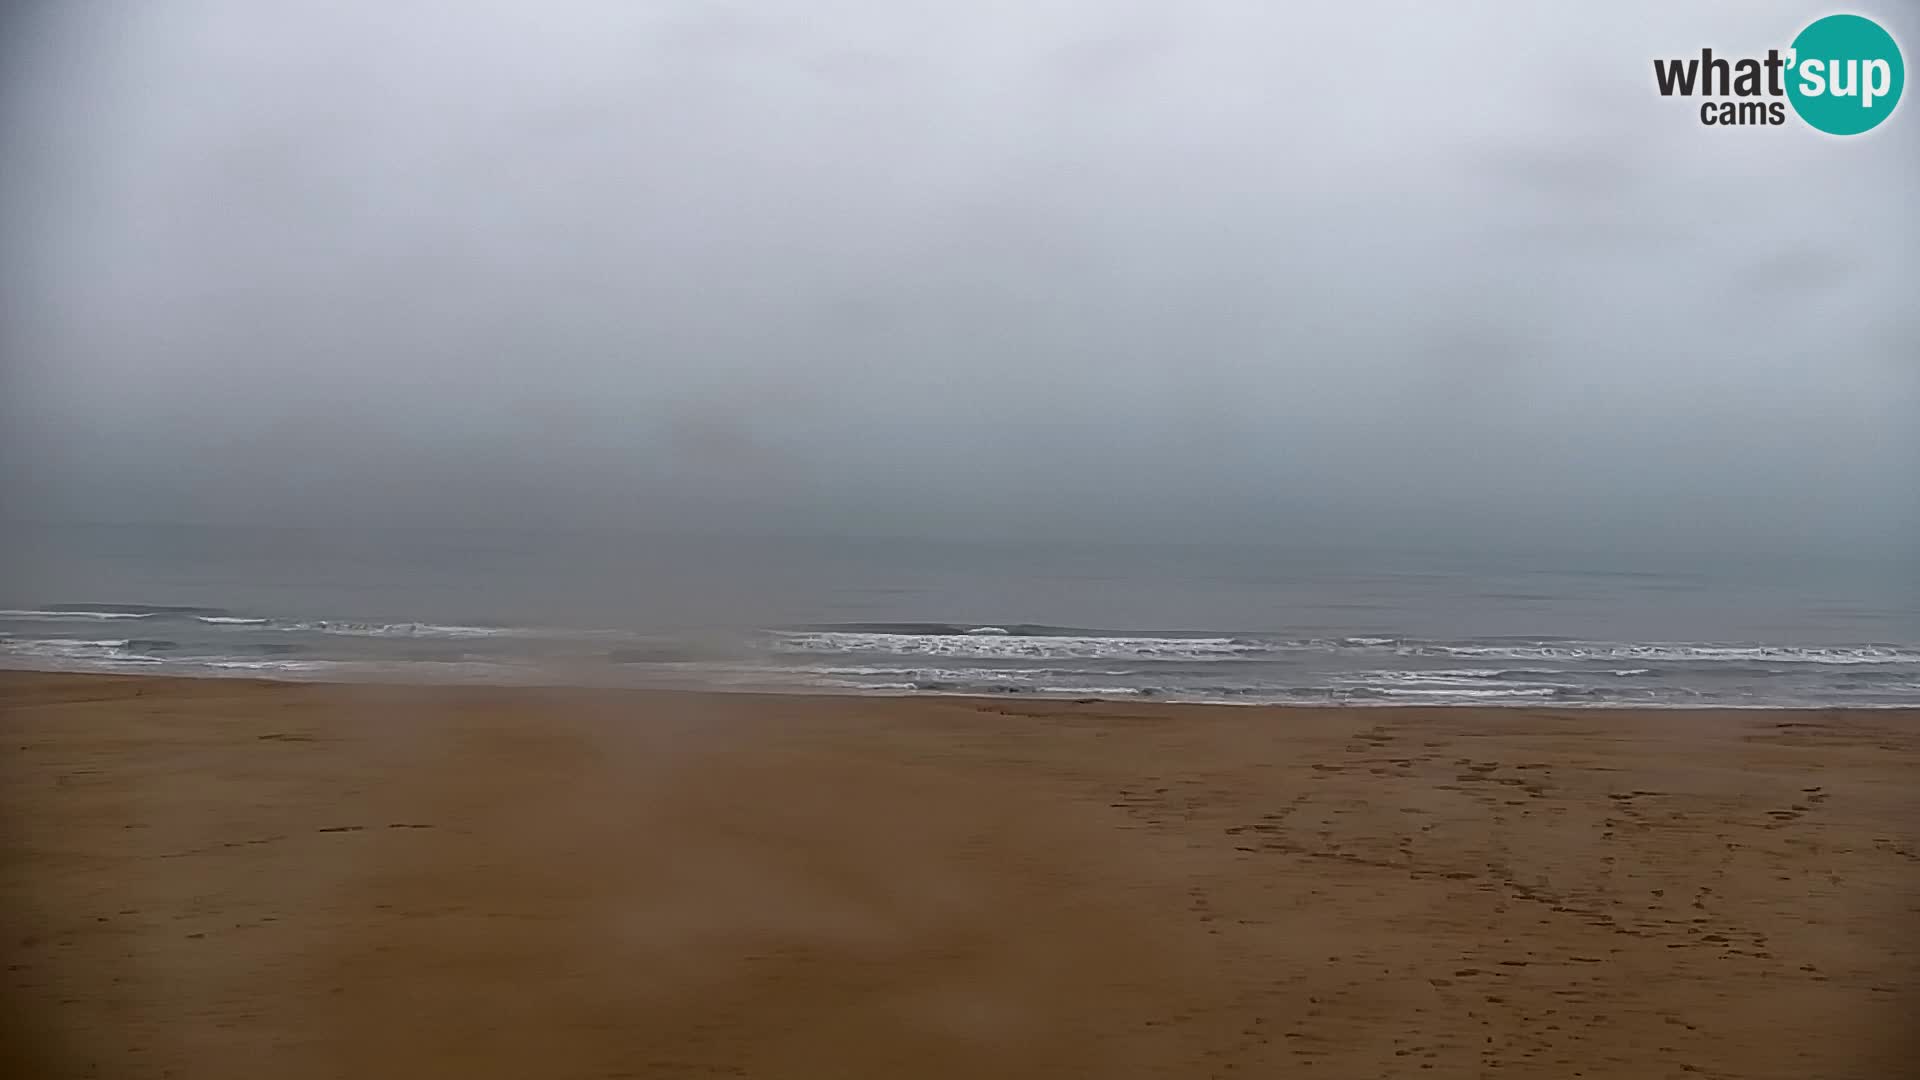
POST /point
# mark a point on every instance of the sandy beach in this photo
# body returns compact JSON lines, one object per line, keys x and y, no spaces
{"x":213,"y":878}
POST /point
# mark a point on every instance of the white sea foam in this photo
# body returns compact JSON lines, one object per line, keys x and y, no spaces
{"x":399,"y":671}
{"x":1670,"y":652}
{"x":73,"y":653}
{"x":436,"y":630}
{"x":995,"y":659}
{"x":1436,"y":673}
{"x":940,"y":674}
{"x":1422,"y":679}
{"x":58,"y":614}
{"x":359,"y":629}
{"x":1458,"y":692}
{"x":1119,"y":647}
{"x":287,"y":666}
{"x":1019,"y":646}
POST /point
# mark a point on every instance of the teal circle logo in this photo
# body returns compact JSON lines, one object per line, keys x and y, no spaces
{"x":1846,"y":74}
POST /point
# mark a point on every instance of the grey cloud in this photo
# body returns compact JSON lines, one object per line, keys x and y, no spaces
{"x":1058,"y":268}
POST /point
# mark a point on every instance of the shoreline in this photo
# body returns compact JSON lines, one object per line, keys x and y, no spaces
{"x":242,"y":877}
{"x":1311,"y":668}
{"x":892,"y":694}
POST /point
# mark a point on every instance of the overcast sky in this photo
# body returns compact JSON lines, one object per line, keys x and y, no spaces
{"x":1023,"y":268}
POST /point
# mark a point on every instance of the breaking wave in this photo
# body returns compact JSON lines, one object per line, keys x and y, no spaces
{"x":68,"y":613}
{"x":1010,"y":646}
{"x":971,"y":658}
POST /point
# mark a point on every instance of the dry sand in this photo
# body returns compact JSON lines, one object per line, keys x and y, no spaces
{"x":210,"y":878}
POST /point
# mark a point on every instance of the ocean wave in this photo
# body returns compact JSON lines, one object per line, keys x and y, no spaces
{"x":1480,"y":676}
{"x":438,"y":630}
{"x":1285,"y":686}
{"x":920,"y":629}
{"x":940,"y":639}
{"x":111,"y":611}
{"x":855,"y":671}
{"x":972,"y":658}
{"x":64,"y":644}
{"x":1477,"y":694}
{"x":1671,"y":652}
{"x":71,"y":613}
{"x":55,"y":654}
{"x":1020,"y":646}
{"x":1371,"y":680}
{"x":366,"y":629}
{"x":452,"y":671}
{"x":286,"y":666}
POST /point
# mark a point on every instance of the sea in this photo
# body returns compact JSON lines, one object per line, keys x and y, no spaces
{"x":1249,"y":623}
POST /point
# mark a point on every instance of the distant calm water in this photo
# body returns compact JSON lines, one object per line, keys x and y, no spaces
{"x":1361,"y":625}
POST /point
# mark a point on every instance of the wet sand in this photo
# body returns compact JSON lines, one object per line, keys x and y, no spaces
{"x":214,"y":878}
